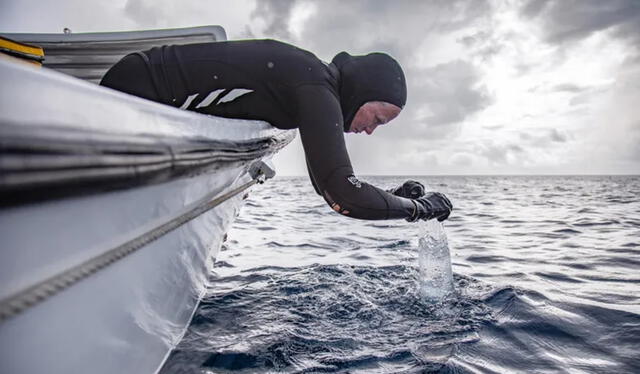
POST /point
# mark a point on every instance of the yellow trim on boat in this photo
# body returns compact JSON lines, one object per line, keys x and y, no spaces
{"x":32,"y":53}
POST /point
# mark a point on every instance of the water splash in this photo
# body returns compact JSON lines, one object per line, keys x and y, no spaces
{"x":436,"y":276}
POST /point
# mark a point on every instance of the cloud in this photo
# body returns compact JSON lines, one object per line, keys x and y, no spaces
{"x":448,"y":93}
{"x":568,"y":20}
{"x":542,"y":138}
{"x":474,"y":39}
{"x":556,"y":136}
{"x":277,"y":16}
{"x":484,"y":44}
{"x":533,"y":8}
{"x":37,"y":16}
{"x":612,"y":141}
{"x":570,"y":87}
{"x":147,"y":14}
{"x":497,"y":153}
{"x":634,"y":142}
{"x":361,"y":26}
{"x":462,"y":159}
{"x":144,"y":12}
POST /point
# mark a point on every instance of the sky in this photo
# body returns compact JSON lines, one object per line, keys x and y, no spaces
{"x":494,"y":87}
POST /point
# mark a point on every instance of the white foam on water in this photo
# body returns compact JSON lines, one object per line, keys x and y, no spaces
{"x":436,"y":276}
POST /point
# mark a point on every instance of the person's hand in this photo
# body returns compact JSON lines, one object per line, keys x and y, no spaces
{"x":410,"y":189}
{"x":432,"y":205}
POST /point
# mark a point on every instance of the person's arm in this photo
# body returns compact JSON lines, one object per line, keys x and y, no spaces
{"x":321,"y":131}
{"x":313,"y":182}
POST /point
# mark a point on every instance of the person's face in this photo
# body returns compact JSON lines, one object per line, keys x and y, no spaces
{"x":373,"y":114}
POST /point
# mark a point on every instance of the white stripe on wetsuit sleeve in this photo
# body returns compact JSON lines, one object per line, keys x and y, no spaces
{"x":187,"y":102}
{"x":210,"y":98}
{"x":234,"y":94}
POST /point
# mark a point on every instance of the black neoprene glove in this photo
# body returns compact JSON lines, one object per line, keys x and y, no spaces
{"x":410,"y":189}
{"x":432,"y":205}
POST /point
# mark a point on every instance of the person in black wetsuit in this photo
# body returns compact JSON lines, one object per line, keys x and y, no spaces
{"x":290,"y":88}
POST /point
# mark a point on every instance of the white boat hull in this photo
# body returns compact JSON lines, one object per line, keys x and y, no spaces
{"x":125,"y":318}
{"x":135,"y":165}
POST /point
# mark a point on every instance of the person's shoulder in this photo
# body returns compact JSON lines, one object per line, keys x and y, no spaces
{"x":290,"y":48}
{"x":301,"y":63}
{"x":271,"y":47}
{"x":277,"y":43}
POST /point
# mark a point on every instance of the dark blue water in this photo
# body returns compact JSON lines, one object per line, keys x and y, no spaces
{"x":547,"y":271}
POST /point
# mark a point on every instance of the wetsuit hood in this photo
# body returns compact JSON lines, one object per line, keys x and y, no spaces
{"x":372,"y":77}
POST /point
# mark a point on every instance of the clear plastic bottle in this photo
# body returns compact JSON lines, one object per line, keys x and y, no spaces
{"x":436,"y":276}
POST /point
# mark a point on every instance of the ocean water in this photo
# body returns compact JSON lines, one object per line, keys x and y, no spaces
{"x":546,"y":273}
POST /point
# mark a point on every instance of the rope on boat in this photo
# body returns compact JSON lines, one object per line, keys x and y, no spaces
{"x":19,"y":302}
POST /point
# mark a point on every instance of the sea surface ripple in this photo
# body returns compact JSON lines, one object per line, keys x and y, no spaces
{"x":546,"y":269}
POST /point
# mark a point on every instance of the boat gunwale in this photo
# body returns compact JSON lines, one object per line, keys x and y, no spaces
{"x":44,"y":162}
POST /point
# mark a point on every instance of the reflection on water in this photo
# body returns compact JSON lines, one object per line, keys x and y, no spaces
{"x":545,"y":272}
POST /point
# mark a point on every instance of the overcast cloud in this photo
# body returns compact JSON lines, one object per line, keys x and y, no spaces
{"x":539,"y":86}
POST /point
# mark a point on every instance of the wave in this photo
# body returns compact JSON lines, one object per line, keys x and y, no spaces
{"x":549,"y":284}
